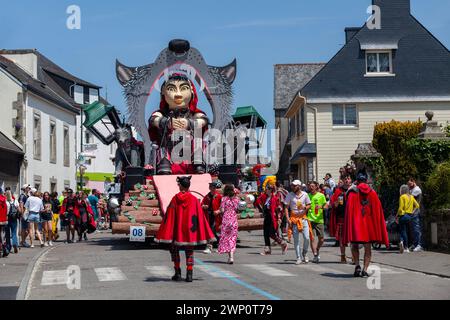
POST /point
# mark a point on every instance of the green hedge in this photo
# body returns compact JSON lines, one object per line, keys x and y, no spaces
{"x":437,"y":187}
{"x":390,"y":139}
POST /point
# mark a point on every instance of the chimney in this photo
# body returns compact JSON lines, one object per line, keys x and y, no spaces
{"x":350,"y":33}
{"x":394,"y":7}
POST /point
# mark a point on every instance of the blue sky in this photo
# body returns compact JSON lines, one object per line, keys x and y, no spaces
{"x":258,"y":34}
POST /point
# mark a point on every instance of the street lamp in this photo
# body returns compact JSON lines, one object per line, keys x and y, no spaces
{"x":102,"y":121}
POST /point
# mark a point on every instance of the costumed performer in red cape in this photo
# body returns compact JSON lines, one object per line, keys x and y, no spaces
{"x":177,"y":111}
{"x":338,"y":203}
{"x":184,"y":226}
{"x":364,"y":222}
{"x":272,"y":210}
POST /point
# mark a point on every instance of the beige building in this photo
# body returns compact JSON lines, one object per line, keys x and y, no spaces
{"x":397,"y":72}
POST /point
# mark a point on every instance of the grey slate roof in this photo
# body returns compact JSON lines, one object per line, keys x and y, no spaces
{"x":43,"y":63}
{"x":36,"y":86}
{"x":289,"y":78}
{"x":46,"y":84}
{"x":421,"y":63}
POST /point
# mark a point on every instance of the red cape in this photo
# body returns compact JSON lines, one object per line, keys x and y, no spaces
{"x":364,"y":218}
{"x":3,"y":210}
{"x":274,"y":206}
{"x":333,"y":218}
{"x":216,"y":201}
{"x":184,"y":223}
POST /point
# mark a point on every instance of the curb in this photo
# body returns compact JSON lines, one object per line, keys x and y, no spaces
{"x":409,"y":269}
{"x":26,"y":280}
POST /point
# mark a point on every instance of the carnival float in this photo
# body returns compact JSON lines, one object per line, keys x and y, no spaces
{"x":146,"y":170}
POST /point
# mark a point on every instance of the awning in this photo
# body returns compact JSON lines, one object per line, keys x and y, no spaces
{"x":7,"y":145}
{"x":306,"y":150}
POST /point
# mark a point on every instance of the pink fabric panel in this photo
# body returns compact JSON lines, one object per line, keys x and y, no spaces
{"x":166,"y":187}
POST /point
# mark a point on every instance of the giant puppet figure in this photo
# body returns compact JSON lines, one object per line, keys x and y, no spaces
{"x":179,"y":67}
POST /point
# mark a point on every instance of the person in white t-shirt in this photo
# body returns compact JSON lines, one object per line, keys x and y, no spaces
{"x":297,"y":204}
{"x":416,"y":192}
{"x":34,"y":206}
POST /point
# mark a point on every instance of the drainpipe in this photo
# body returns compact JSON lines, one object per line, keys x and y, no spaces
{"x":315,"y":138}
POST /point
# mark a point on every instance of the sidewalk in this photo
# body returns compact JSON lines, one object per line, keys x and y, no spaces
{"x":13,"y":269}
{"x":427,"y":261}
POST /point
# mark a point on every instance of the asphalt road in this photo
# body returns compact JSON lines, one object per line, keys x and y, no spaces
{"x":111,"y":267}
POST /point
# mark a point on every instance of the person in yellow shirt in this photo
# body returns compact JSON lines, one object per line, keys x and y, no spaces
{"x":407,"y":206}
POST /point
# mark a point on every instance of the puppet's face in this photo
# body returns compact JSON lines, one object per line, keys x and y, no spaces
{"x":178,"y":94}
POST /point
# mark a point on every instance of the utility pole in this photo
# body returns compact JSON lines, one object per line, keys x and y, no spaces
{"x":81,"y":149}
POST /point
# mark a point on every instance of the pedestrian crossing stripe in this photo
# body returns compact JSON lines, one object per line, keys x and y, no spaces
{"x":59,"y":277}
{"x":383,"y":271}
{"x":110,"y":274}
{"x":216,"y":272}
{"x":321,"y":269}
{"x":160,"y":271}
{"x":54,"y":277}
{"x":271,"y":271}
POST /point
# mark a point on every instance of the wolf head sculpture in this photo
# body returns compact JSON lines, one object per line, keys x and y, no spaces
{"x":139,"y":82}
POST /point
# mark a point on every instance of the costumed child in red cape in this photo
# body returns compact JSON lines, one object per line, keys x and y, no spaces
{"x":364,"y":222}
{"x":184,"y":226}
{"x":211,"y":207}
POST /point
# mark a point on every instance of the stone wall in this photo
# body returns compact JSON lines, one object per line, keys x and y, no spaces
{"x":442,"y":219}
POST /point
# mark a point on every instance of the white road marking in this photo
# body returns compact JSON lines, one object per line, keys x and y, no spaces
{"x":383,"y":270}
{"x":270,"y":271}
{"x":160,"y":271}
{"x":315,"y":267}
{"x":109,"y":274}
{"x":216,"y":272}
{"x":56,"y":277}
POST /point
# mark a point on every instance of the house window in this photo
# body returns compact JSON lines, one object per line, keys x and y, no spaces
{"x":93,"y":95}
{"x":78,"y":94}
{"x":378,"y":62}
{"x":345,"y":115}
{"x":87,"y":137}
{"x":66,"y":147}
{"x":37,"y":136}
{"x":37,"y":181}
{"x":302,"y":120}
{"x":53,"y":185}
{"x":297,"y":124}
{"x":291,"y":127}
{"x":52,"y":142}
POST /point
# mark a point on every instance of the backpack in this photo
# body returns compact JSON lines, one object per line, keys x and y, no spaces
{"x":13,"y":212}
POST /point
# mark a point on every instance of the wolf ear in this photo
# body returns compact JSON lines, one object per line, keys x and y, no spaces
{"x":229,"y":71}
{"x":123,"y":73}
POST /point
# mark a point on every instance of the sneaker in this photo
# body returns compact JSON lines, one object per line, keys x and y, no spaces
{"x":407,"y":250}
{"x":402,"y":247}
{"x":85,"y":237}
{"x":32,"y":246}
{"x":316,"y":259}
{"x":299,"y":261}
{"x":50,"y":244}
{"x":418,"y":249}
{"x":207,"y":251}
{"x":44,"y":245}
{"x":305,"y":259}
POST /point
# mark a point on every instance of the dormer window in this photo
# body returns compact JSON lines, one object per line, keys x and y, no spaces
{"x":379,"y":63}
